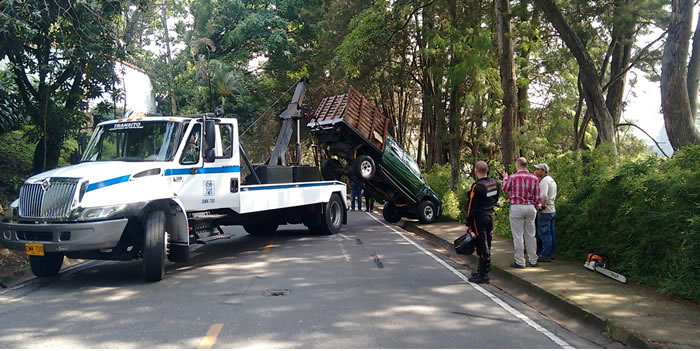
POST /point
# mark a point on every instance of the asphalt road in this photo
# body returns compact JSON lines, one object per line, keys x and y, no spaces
{"x":371,"y":286}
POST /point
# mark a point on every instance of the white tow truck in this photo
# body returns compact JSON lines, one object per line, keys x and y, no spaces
{"x":149,"y":188}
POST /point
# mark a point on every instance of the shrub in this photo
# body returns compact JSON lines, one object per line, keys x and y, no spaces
{"x":644,"y":216}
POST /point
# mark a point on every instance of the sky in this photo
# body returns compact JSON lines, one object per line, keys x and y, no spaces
{"x":644,"y":106}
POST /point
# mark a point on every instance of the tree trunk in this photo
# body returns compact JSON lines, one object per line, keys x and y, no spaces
{"x":694,"y":72}
{"x":675,"y":102}
{"x":621,"y":52}
{"x":592,"y":86}
{"x":166,"y":34}
{"x":507,"y":65}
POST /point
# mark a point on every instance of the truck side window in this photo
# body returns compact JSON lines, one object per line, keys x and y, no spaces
{"x":190,"y":154}
{"x":226,"y":133}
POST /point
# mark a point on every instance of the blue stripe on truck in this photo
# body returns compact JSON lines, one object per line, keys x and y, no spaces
{"x":210,"y":170}
{"x":108,"y":182}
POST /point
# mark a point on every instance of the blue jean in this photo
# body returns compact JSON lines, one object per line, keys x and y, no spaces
{"x":356,"y":194}
{"x":545,"y":232}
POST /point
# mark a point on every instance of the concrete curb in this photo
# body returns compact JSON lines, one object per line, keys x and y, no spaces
{"x":25,"y":274}
{"x":611,"y":328}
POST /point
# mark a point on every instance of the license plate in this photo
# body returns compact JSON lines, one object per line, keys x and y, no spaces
{"x":34,"y":249}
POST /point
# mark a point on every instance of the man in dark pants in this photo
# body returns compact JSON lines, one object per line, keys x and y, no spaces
{"x":482,"y":198}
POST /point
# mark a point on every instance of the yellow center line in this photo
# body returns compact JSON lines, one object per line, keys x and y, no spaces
{"x":210,"y":338}
{"x":269,"y":245}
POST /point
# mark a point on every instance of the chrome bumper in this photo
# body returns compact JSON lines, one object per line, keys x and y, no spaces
{"x":63,"y":237}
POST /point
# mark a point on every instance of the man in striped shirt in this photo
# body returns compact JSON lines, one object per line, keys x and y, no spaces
{"x":523,"y":190}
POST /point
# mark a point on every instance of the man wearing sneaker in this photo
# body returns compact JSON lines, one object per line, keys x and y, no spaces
{"x":482,"y":198}
{"x":523,"y":190}
{"x":545,"y":216}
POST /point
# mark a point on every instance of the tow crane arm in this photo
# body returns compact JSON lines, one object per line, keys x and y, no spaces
{"x":290,"y":115}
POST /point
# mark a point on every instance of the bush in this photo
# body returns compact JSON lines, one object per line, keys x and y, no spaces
{"x":644,"y":216}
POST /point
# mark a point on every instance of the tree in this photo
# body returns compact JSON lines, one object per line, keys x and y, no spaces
{"x":591,"y":83}
{"x":507,"y":65}
{"x":61,"y":54}
{"x":676,"y":83}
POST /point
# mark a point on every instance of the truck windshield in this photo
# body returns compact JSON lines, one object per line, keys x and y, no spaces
{"x":134,"y":141}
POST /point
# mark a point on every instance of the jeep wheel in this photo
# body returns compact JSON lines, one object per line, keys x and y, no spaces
{"x":364,"y":167}
{"x":427,"y":212}
{"x":391,"y":213}
{"x":332,"y":217}
{"x":47,"y":265}
{"x":261,"y":228}
{"x":155,"y":247}
{"x":331,"y":169}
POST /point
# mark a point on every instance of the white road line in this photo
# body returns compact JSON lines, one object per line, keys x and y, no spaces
{"x":478,"y":288}
{"x":345,"y":253}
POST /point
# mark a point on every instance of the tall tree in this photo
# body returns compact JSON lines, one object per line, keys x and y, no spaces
{"x":507,"y":65}
{"x":591,"y":83}
{"x":675,"y":101}
{"x":61,"y":54}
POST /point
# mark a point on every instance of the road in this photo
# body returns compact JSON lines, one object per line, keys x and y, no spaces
{"x":370,"y":286}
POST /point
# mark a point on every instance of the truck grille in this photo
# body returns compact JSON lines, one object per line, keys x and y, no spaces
{"x":50,"y":199}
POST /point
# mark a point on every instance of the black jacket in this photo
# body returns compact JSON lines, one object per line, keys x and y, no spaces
{"x":482,"y":198}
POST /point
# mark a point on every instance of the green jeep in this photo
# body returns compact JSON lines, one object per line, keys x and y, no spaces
{"x":354,"y":142}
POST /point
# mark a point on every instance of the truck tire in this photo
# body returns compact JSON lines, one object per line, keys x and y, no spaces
{"x":391,"y":213}
{"x":331,"y":169}
{"x":332,"y":217}
{"x":47,"y":265}
{"x":154,"y":247}
{"x":261,"y":228}
{"x":178,"y":253}
{"x":364,"y":167}
{"x":427,"y":212}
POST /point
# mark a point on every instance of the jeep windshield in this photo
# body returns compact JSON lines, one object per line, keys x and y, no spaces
{"x":135,"y":141}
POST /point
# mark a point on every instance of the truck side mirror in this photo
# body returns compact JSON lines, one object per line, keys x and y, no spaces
{"x":209,"y":141}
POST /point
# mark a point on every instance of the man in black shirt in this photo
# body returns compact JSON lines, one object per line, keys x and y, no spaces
{"x":482,"y":198}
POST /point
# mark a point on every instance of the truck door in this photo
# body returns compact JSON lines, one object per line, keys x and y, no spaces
{"x":203,"y":185}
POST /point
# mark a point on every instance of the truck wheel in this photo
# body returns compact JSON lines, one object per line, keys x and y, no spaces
{"x":391,"y":213}
{"x":332,"y":217}
{"x":364,"y":167}
{"x":427,"y":212}
{"x":47,"y":265}
{"x":331,"y":169}
{"x":261,"y":228}
{"x":154,"y":247}
{"x":178,"y":253}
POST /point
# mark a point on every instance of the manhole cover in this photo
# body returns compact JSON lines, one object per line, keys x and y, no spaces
{"x":277,"y":292}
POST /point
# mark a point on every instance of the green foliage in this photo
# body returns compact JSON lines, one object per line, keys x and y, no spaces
{"x":16,"y":158}
{"x":643,"y":215}
{"x":450,"y":206}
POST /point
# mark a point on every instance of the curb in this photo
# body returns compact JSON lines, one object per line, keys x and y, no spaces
{"x":612,"y":328}
{"x":26,"y":274}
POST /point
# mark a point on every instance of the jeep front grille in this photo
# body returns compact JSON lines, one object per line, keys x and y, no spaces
{"x":52,"y":199}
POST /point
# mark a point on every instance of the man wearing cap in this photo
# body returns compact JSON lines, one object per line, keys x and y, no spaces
{"x":524,"y":196}
{"x":545,"y":216}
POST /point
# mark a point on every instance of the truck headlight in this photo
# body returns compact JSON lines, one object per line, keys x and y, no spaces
{"x":92,"y":213}
{"x":14,"y":210}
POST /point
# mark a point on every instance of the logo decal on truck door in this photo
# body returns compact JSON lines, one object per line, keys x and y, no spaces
{"x":208,"y":188}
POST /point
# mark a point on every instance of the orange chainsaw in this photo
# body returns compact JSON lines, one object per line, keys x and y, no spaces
{"x":600,"y":264}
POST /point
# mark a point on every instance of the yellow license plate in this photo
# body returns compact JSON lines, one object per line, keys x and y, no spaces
{"x":34,"y":249}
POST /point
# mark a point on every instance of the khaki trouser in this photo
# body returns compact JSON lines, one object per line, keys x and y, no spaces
{"x":522,"y":225}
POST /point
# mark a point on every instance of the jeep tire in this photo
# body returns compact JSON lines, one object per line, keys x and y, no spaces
{"x":364,"y":167}
{"x":391,"y":213}
{"x":427,"y":212}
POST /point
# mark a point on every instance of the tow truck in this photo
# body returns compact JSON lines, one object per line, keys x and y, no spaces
{"x":152,"y":187}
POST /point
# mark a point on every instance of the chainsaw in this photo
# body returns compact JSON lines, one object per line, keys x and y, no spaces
{"x":599,"y":264}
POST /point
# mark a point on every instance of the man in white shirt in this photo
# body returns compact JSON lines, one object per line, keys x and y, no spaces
{"x":545,"y":216}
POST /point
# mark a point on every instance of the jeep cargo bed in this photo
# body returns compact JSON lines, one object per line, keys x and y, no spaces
{"x":355,"y":111}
